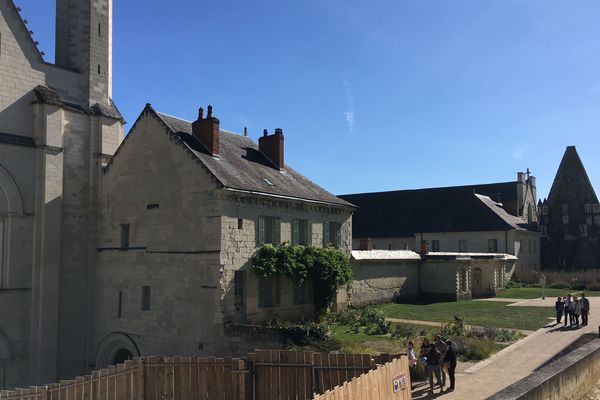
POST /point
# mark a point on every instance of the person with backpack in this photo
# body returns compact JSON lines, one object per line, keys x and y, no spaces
{"x":434,"y":368}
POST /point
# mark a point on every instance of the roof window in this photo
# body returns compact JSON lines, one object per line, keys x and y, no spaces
{"x":268,"y":182}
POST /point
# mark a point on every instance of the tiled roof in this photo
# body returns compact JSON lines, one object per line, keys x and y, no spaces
{"x":241,"y":166}
{"x":403,"y":213}
{"x":571,"y":181}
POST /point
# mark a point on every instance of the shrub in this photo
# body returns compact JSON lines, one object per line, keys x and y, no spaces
{"x":380,"y":328}
{"x":576,"y":284}
{"x":350,"y":316}
{"x":593,"y":286}
{"x":470,"y":349}
{"x":418,"y":373}
{"x":300,"y":333}
{"x":558,"y":285}
{"x":370,"y":315}
{"x":513,"y":284}
{"x":403,"y":331}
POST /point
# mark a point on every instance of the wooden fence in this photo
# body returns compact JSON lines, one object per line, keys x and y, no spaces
{"x":275,"y":375}
{"x":390,"y":381}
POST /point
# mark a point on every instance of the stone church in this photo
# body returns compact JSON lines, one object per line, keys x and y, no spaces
{"x":112,"y":248}
{"x":570,"y":218}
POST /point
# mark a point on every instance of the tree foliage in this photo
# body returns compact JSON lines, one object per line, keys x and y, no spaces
{"x":325,"y":268}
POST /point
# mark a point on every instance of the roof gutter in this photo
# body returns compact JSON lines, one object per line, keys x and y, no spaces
{"x":280,"y":196}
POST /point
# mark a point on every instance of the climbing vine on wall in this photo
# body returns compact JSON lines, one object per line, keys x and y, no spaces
{"x":325,"y":268}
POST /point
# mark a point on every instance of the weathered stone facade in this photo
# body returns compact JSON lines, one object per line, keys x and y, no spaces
{"x":52,"y":146}
{"x":190,"y":241}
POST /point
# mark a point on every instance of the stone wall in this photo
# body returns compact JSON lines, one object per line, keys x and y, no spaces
{"x":569,"y":378}
{"x":378,"y":281}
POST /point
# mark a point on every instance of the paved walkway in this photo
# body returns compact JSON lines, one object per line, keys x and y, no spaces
{"x":517,"y":361}
{"x":439,"y":324}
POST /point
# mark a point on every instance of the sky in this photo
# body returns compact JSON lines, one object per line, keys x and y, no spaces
{"x":371,"y":96}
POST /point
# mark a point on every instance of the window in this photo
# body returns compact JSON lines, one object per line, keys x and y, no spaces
{"x":544,"y":210}
{"x":120,"y":308}
{"x":389,"y":246}
{"x":302,"y":293}
{"x":125,"y":236}
{"x":520,"y":242}
{"x":332,"y":234}
{"x":583,"y":230}
{"x":98,"y":69}
{"x":565,"y":209}
{"x":462,"y":246}
{"x":269,"y":230}
{"x":240,"y":223}
{"x":588,"y":208}
{"x":492,"y":245}
{"x":146,"y":298}
{"x":302,"y":232}
{"x":435,"y":246}
{"x":152,"y":206}
{"x":534,"y":246}
{"x":269,"y":292}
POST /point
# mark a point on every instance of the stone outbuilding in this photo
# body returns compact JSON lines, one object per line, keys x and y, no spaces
{"x":384,"y":275}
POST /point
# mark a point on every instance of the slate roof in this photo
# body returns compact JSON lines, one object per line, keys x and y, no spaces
{"x":49,"y":95}
{"x":571,"y":182}
{"x":17,"y":140}
{"x":241,"y":166}
{"x":403,"y":213}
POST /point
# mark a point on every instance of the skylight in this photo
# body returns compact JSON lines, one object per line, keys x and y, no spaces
{"x":268,"y":182}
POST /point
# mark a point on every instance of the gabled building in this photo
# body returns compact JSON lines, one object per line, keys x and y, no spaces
{"x":466,"y":219}
{"x":185,"y":205}
{"x":570,"y":218}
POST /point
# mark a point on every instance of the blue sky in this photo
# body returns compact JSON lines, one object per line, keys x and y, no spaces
{"x":372,"y":96}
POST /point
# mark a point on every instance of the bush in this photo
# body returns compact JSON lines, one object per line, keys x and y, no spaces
{"x":576,"y":284}
{"x":470,"y":349}
{"x":350,"y":316}
{"x":418,"y":373}
{"x":513,"y":284}
{"x":380,"y":328}
{"x":403,"y":331}
{"x":558,"y":285}
{"x":300,"y":333}
{"x":593,"y":286}
{"x":370,"y":315}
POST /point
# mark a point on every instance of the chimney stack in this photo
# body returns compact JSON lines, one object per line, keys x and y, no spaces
{"x":272,"y":147}
{"x":206,"y":130}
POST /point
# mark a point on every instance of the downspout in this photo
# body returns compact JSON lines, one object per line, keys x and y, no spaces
{"x":506,"y":241}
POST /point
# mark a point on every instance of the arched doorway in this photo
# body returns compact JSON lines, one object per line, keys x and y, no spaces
{"x":121,"y":356}
{"x":116,"y":348}
{"x":477,"y":281}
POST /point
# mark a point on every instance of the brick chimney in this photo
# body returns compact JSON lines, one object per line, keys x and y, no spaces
{"x":272,"y":147}
{"x":206,"y":130}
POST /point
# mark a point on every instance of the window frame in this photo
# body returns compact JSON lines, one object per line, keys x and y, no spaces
{"x":273,"y":297}
{"x":335,"y":234}
{"x":268,"y":224}
{"x":492,"y":245}
{"x":302,"y":232}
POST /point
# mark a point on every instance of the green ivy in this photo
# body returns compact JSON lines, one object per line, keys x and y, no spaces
{"x":325,"y":268}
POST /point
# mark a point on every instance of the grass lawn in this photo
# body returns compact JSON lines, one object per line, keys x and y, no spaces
{"x":483,"y":313}
{"x":534,"y":293}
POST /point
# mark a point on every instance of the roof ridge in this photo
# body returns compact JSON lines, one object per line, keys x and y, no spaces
{"x":431,"y":188}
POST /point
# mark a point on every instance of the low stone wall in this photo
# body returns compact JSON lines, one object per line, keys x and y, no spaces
{"x":376,"y":282}
{"x":568,"y":378}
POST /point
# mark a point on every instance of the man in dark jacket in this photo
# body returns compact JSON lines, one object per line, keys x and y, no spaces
{"x":451,"y":360}
{"x":585,"y":309}
{"x":560,"y":308}
{"x":433,"y":367}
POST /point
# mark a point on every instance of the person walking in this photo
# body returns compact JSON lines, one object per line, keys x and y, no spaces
{"x":451,"y":360}
{"x":569,"y":310}
{"x":585,"y":309}
{"x":560,"y":308}
{"x":442,"y":347}
{"x":433,"y":368}
{"x":576,"y":310}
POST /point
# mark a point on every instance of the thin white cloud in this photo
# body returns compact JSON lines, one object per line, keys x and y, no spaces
{"x":520,"y":152}
{"x":349,"y":113}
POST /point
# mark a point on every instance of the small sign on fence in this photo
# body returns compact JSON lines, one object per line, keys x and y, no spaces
{"x":399,"y":382}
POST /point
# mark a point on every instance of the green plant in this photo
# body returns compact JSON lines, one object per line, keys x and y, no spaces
{"x":300,"y":333}
{"x":418,"y":373}
{"x":558,"y":285}
{"x":379,"y":328}
{"x":371,"y":315}
{"x":349,"y":316}
{"x":325,"y":268}
{"x":471,"y":349}
{"x":513,"y":284}
{"x":400,"y":331}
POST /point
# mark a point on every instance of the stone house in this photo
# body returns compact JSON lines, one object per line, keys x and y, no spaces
{"x":184,"y":207}
{"x":58,"y":126}
{"x":383,"y":275}
{"x":461,"y":219}
{"x":570,"y":218}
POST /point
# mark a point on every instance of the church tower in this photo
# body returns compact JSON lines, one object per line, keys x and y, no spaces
{"x":84,"y":43}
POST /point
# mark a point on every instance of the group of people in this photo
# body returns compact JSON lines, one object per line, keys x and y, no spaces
{"x":572,"y":308}
{"x":439,"y":359}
